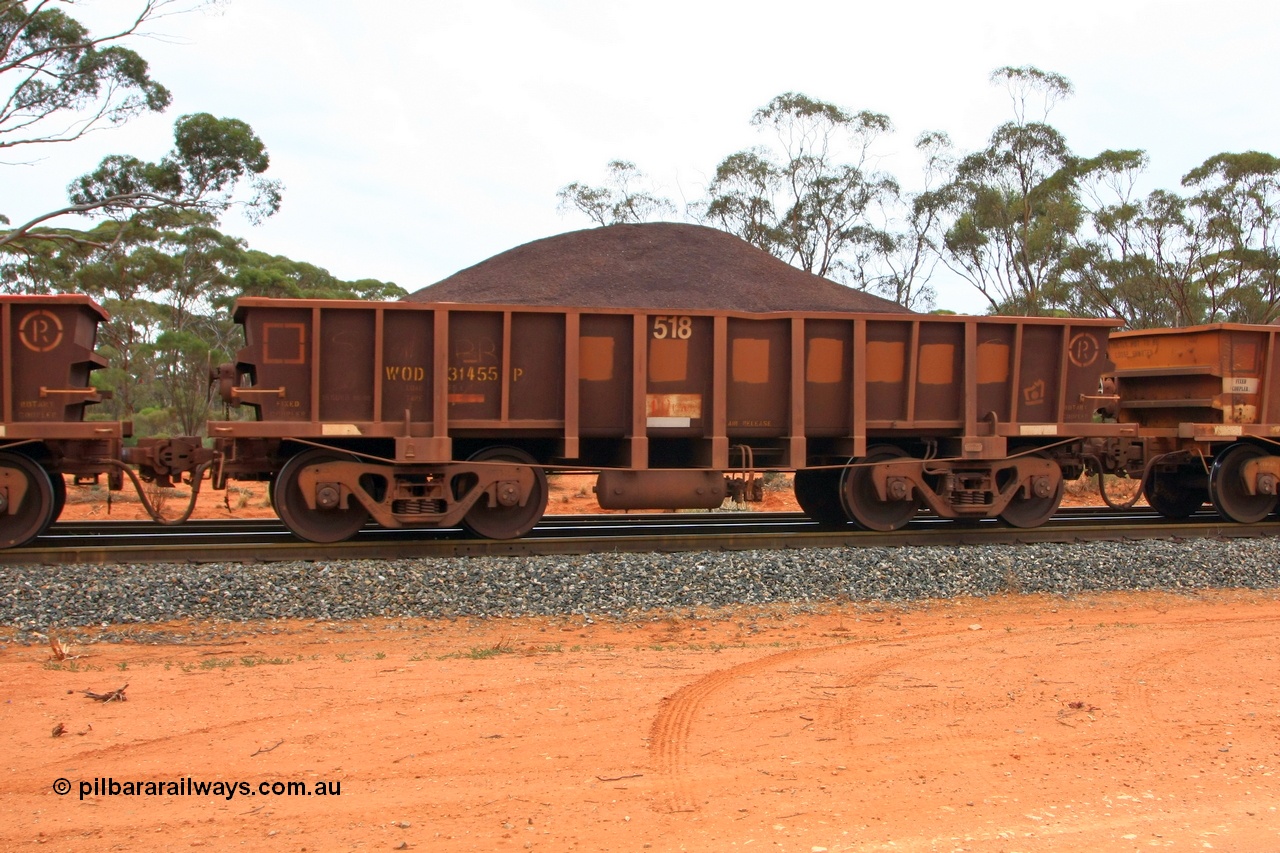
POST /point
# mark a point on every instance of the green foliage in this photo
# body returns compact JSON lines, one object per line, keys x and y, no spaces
{"x":210,"y":159}
{"x":167,"y":278}
{"x":1237,"y":199}
{"x":742,"y":198}
{"x":812,"y":198}
{"x":912,"y":248}
{"x":183,"y":360}
{"x":618,"y":201}
{"x":260,"y":274}
{"x":53,"y":66}
{"x":158,"y":263}
{"x":1015,"y":204}
{"x":1027,"y":83}
{"x":61,"y":82}
{"x":1171,"y":260}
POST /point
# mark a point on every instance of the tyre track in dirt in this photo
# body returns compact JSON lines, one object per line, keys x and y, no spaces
{"x":670,"y":731}
{"x":1149,"y":677}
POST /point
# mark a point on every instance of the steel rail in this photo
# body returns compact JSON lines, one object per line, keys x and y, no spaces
{"x":266,"y":540}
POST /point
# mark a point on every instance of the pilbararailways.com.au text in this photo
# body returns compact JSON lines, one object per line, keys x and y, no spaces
{"x":188,"y":787}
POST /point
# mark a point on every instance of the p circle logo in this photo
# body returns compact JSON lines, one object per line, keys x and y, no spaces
{"x":1083,"y":349}
{"x":40,"y":331}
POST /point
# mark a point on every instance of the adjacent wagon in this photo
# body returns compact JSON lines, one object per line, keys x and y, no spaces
{"x":1207,"y":409}
{"x":46,"y":356}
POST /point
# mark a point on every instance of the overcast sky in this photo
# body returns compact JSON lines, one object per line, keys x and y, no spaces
{"x":416,"y":138}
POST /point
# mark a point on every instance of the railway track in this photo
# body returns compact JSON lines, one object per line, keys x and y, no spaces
{"x":267,"y":540}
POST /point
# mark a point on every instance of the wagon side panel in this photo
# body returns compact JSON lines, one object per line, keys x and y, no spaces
{"x":407,"y":379}
{"x":346,"y":374}
{"x":828,"y":363}
{"x":605,"y":368}
{"x":277,"y":360}
{"x":758,"y":382}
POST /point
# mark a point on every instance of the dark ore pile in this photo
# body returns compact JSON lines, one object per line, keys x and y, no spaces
{"x":662,"y":265}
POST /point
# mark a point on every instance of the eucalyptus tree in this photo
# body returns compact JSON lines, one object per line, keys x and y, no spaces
{"x":64,"y":82}
{"x":156,"y":262}
{"x":1237,"y":199}
{"x":1174,"y":260}
{"x":1014,"y":202}
{"x":810,"y":199}
{"x":263,"y":274}
{"x":59,"y":82}
{"x":1137,"y":259}
{"x":158,"y":274}
{"x":912,"y":228}
{"x":620,"y":200}
{"x":122,"y":267}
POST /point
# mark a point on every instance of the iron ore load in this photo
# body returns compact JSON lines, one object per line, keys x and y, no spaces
{"x":660,"y":265}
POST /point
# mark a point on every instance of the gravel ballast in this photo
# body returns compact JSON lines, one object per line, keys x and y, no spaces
{"x":38,"y":598}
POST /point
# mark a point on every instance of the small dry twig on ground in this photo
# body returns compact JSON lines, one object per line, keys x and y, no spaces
{"x":263,"y":749}
{"x":61,"y":650}
{"x":116,"y":695}
{"x":158,"y":496}
{"x":1081,"y":706}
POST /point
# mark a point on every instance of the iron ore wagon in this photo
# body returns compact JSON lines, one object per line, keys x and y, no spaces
{"x":435,"y":414}
{"x":1207,"y":408}
{"x":46,"y":358}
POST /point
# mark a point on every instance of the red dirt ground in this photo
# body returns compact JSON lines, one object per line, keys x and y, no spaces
{"x":1014,"y":723}
{"x":1021,"y":723}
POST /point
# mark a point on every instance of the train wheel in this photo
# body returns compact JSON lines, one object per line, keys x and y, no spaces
{"x":59,"y":484}
{"x":19,"y":526}
{"x":507,"y":522}
{"x":1174,"y":494}
{"x":863,"y":505}
{"x":1227,"y":490}
{"x":320,"y":524}
{"x":1035,"y":510}
{"x":818,"y":493}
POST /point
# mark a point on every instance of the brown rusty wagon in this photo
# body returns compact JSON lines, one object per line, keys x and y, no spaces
{"x":46,"y":356}
{"x":1207,"y":409}
{"x":435,"y":414}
